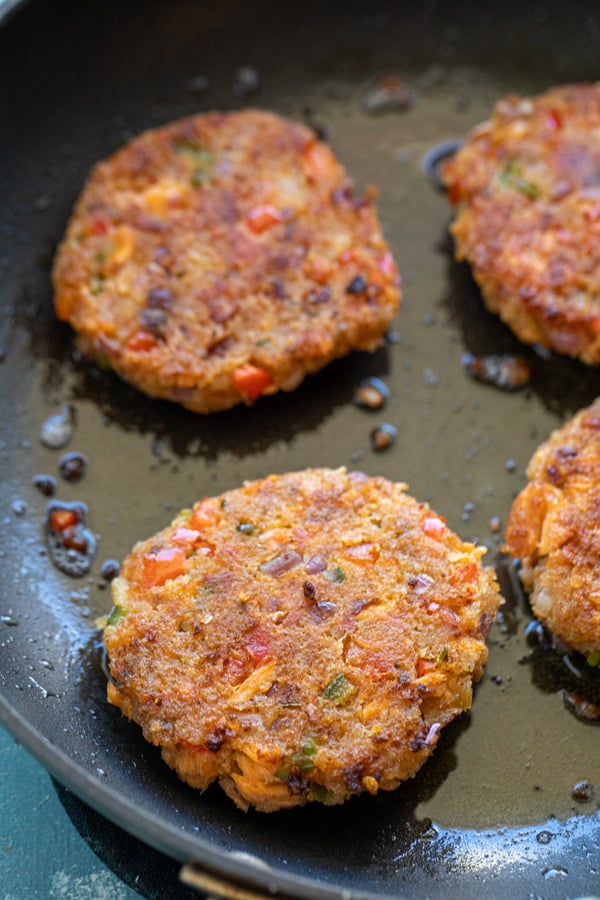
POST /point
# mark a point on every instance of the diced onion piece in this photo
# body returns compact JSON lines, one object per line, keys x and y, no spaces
{"x":421,"y":582}
{"x":433,"y":735}
{"x":362,"y":554}
{"x":315,"y":565}
{"x":186,"y":536}
{"x":285,"y":561}
{"x":189,"y":537}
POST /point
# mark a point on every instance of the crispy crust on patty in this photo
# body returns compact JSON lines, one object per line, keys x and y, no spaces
{"x":527,"y":185}
{"x":222,"y":257}
{"x":304,"y":637}
{"x":554,"y":528}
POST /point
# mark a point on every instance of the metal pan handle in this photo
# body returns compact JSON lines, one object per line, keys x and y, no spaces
{"x":218,"y":888}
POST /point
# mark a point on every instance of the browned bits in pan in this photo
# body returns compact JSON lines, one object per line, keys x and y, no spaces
{"x":389,"y":93}
{"x":46,"y":484}
{"x":509,"y":373}
{"x":72,"y":466}
{"x":371,"y":393}
{"x":71,"y":544}
{"x":384,"y":436}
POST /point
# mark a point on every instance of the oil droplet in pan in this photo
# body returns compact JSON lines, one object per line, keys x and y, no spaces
{"x":433,"y":159}
{"x":58,"y":429}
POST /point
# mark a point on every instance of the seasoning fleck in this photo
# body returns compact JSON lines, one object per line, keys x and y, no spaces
{"x":310,"y":591}
{"x":358,"y":285}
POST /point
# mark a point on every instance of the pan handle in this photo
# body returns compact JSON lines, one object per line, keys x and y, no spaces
{"x":218,"y":888}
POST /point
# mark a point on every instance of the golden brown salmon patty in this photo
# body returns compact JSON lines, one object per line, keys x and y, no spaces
{"x":304,"y":637}
{"x":222,"y":257}
{"x":527,"y":185}
{"x":554,"y":528}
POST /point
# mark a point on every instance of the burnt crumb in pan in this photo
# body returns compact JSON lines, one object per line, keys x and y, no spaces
{"x":202,"y":285}
{"x":304,"y":637}
{"x":509,"y":373}
{"x":528,"y":216}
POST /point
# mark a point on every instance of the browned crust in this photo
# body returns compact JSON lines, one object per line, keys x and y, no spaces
{"x":527,"y":185}
{"x":219,"y":241}
{"x":554,"y":529}
{"x":302,"y":685}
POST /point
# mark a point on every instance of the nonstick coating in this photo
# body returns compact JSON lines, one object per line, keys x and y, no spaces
{"x":492,"y":814}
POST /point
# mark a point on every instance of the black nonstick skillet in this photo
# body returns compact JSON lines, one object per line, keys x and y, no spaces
{"x":496,"y":812}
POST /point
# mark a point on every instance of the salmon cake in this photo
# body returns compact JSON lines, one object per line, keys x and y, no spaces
{"x":554,"y":529}
{"x":303,"y":637}
{"x":223,"y":257}
{"x":527,"y":187}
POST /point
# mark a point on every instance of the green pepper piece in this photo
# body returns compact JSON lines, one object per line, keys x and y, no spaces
{"x":337,"y":575}
{"x":303,"y":757}
{"x":116,"y":614}
{"x":203,"y":160}
{"x":302,"y":760}
{"x":339,"y":691}
{"x":511,"y":176}
{"x":97,"y":284}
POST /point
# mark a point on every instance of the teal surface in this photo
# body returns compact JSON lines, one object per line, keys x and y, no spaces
{"x":42,"y":855}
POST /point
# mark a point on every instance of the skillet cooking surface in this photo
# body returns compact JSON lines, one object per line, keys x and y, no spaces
{"x":493,"y":811}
